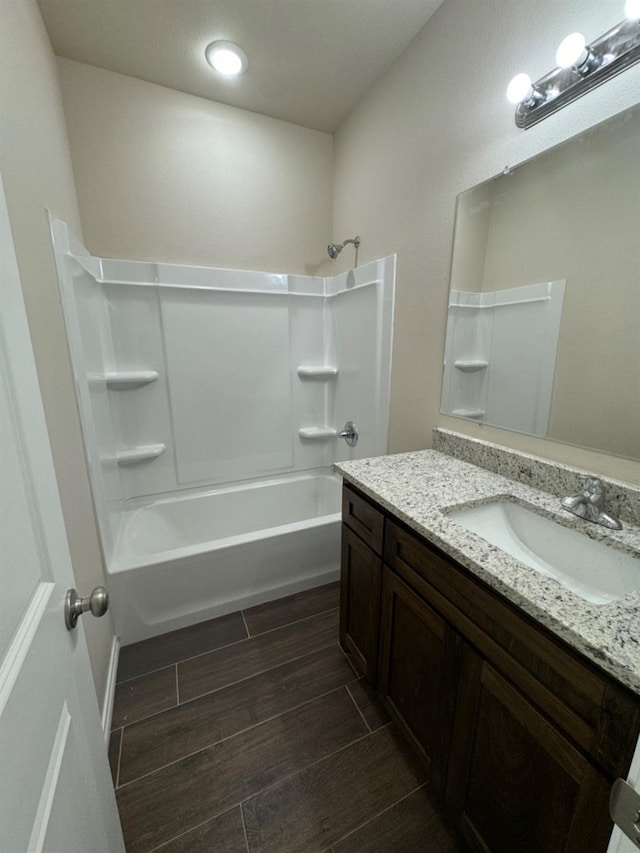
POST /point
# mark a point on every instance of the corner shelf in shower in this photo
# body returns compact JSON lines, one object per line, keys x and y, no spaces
{"x":119,"y":380}
{"x":470,"y":365}
{"x":317,"y":433}
{"x":321,"y":371}
{"x":475,"y":414}
{"x":141,"y":453}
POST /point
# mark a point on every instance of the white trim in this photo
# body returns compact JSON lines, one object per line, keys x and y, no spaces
{"x":17,"y":652}
{"x":50,"y":787}
{"x":110,"y":690}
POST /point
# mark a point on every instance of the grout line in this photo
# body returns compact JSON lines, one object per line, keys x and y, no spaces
{"x":225,"y":686}
{"x":144,"y":674}
{"x":358,"y":707}
{"x":226,"y":645}
{"x":244,"y":827}
{"x":192,"y":828}
{"x":296,"y":621}
{"x":269,"y":787}
{"x":177,"y":688}
{"x":246,"y":627}
{"x":379,"y":814}
{"x":235,"y":734}
{"x":260,"y":672}
{"x":359,"y":675}
{"x":119,"y":758}
{"x":306,"y":767}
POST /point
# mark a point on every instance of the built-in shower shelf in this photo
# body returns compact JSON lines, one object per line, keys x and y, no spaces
{"x":469,"y":413}
{"x":470,"y":365}
{"x":321,"y":371}
{"x":141,"y":453}
{"x":122,"y":379}
{"x":317,"y":433}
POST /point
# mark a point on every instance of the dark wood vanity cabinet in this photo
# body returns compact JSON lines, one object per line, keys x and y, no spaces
{"x":418,"y":671}
{"x":514,"y":780}
{"x":523,"y":736}
{"x":360,"y":578}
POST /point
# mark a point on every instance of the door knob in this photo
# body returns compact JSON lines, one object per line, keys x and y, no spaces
{"x":74,"y":606}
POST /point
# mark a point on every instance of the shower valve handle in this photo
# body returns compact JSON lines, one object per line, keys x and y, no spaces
{"x":349,"y":433}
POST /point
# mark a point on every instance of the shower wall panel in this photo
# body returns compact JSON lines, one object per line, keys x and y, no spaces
{"x":361,"y":320}
{"x":229,"y":374}
{"x":190,"y":377}
{"x":142,"y":413}
{"x":90,"y":346}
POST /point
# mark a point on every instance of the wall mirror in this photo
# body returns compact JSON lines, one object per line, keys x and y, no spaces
{"x":543,"y":328}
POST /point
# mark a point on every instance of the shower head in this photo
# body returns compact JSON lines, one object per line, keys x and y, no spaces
{"x":334,"y":249}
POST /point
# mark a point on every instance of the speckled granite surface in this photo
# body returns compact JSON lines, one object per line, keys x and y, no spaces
{"x":418,"y":488}
{"x":623,"y":499}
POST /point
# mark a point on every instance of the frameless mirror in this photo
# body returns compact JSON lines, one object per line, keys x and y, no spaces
{"x":543,"y":330}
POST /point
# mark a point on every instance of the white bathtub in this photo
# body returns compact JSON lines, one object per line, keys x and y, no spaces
{"x":182,"y":560}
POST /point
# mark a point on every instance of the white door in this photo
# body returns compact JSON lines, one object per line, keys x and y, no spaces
{"x":55,"y":788}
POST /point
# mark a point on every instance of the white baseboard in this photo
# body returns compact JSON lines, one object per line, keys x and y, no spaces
{"x":110,"y":690}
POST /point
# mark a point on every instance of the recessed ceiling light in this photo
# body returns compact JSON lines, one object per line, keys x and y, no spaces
{"x":226,"y":58}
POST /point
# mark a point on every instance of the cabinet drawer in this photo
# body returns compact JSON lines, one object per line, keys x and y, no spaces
{"x":363,"y":518}
{"x":600,"y":716}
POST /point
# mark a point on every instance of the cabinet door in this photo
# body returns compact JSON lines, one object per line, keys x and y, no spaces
{"x":419,"y":654}
{"x":360,"y":573}
{"x":516,"y":783}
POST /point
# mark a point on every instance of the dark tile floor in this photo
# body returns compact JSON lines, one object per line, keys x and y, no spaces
{"x":252,"y":734}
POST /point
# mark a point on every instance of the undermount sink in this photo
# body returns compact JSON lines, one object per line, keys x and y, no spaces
{"x":595,"y":571}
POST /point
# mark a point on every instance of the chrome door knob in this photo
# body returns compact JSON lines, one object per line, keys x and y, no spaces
{"x":74,"y":606}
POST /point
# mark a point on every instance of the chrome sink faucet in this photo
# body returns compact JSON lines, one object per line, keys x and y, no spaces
{"x":589,"y":503}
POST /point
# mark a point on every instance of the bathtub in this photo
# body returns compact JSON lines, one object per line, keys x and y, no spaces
{"x":184,"y":559}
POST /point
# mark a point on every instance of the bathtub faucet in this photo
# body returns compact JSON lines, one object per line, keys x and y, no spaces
{"x":589,"y":503}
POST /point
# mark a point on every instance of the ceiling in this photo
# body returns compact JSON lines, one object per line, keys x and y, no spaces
{"x":310,"y":61}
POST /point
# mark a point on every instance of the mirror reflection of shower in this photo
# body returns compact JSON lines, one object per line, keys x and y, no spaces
{"x":334,"y":249}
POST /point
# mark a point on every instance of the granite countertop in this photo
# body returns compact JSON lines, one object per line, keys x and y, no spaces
{"x":418,"y":488}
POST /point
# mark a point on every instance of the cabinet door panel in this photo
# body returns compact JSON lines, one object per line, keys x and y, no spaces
{"x":418,"y":671}
{"x":360,"y":602}
{"x":517,"y":783}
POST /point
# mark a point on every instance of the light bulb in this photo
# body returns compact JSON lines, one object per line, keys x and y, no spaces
{"x":572,"y":51}
{"x":226,"y":58}
{"x":519,"y":89}
{"x":632,"y":10}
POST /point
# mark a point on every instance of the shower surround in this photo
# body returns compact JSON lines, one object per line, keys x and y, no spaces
{"x":211,"y":402}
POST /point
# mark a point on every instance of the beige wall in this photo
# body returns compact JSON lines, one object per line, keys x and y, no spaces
{"x":436,"y":124}
{"x":36,"y":171}
{"x":166,"y":176}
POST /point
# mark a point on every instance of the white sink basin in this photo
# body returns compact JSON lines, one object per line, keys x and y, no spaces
{"x":596,"y":572}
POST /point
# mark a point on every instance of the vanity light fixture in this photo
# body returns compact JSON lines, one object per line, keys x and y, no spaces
{"x":581,"y":67}
{"x":226,"y":58}
{"x":574,"y":53}
{"x":632,"y":10}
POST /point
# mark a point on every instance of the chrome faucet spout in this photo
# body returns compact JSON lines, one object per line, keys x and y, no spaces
{"x":589,"y":504}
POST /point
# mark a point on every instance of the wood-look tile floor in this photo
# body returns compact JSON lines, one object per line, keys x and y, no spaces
{"x":252,"y":734}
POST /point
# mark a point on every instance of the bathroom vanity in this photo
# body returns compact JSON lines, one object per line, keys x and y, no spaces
{"x":521,"y":696}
